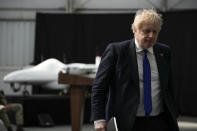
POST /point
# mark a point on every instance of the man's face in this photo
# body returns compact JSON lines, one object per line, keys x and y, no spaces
{"x":147,"y":35}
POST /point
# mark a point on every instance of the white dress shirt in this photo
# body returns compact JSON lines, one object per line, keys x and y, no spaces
{"x":157,"y":104}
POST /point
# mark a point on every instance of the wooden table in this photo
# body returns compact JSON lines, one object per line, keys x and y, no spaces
{"x":78,"y":84}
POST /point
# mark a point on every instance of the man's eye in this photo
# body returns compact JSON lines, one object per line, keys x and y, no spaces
{"x":154,"y":32}
{"x":146,"y":31}
{"x":149,"y":31}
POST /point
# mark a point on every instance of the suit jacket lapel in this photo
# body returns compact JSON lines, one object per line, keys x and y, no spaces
{"x":161,"y":65}
{"x":133,"y":62}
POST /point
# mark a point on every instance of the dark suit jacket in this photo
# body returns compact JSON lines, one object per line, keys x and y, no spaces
{"x":115,"y":91}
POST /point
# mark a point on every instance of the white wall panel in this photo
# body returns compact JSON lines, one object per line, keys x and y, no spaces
{"x":32,"y":4}
{"x":17,"y":15}
{"x":16,"y":43}
{"x":26,"y":9}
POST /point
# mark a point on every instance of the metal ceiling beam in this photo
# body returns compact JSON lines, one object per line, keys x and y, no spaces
{"x":164,"y":5}
{"x":69,"y":6}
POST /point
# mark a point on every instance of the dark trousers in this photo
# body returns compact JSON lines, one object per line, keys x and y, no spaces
{"x":154,"y":123}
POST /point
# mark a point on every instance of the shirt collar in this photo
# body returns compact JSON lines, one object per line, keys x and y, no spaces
{"x":139,"y":48}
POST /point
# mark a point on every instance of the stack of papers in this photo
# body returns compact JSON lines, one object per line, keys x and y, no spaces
{"x":112,"y":125}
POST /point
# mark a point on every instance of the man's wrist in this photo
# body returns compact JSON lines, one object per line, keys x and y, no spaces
{"x":100,"y":120}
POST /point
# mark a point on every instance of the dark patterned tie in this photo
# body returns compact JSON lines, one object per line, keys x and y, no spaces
{"x":147,"y":85}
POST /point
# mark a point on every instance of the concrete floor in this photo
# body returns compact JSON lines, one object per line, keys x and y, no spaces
{"x":185,"y":124}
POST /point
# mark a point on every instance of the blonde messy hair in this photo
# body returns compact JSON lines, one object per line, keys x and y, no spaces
{"x":145,"y":16}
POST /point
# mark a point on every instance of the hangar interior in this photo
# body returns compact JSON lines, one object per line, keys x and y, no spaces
{"x":78,"y":31}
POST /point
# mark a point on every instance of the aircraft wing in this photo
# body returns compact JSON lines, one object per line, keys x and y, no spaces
{"x":46,"y":73}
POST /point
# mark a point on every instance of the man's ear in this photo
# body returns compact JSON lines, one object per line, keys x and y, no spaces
{"x":134,"y":29}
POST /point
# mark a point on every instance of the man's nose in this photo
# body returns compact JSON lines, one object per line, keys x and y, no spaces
{"x":151,"y":34}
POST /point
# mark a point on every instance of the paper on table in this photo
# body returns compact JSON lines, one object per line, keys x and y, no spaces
{"x":112,"y":125}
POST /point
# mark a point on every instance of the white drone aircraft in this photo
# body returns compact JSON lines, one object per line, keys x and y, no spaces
{"x":45,"y":74}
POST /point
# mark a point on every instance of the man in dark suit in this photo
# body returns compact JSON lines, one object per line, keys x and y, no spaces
{"x":134,"y":83}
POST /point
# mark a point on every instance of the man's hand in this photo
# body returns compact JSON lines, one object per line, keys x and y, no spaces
{"x":100,"y":126}
{"x":2,"y":107}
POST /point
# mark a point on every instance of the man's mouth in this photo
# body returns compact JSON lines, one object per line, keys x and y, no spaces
{"x":149,"y":41}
